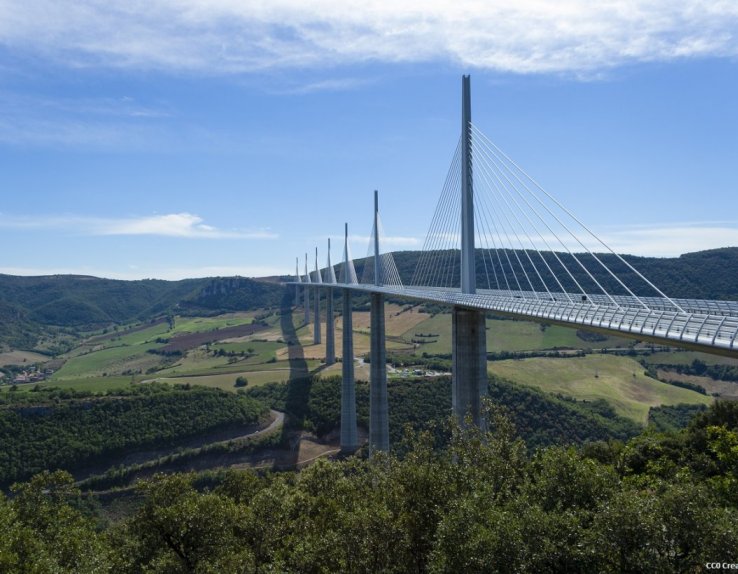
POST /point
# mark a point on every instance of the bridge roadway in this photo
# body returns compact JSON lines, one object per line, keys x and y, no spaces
{"x":707,"y":326}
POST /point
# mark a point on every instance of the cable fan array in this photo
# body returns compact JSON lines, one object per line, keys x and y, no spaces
{"x":528,"y":244}
{"x":389,"y":275}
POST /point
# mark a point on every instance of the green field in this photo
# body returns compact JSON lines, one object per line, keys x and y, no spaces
{"x":110,"y":360}
{"x":100,"y":362}
{"x":504,"y":335}
{"x":619,"y":380}
{"x":227,"y":381}
{"x":203,"y":324}
{"x":94,"y":384}
{"x":21,"y":358}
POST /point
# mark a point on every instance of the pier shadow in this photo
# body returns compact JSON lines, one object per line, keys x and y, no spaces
{"x":298,"y":383}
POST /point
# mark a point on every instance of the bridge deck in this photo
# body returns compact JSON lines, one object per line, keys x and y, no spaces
{"x":709,"y":326}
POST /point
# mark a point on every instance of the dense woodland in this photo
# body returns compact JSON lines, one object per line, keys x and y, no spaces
{"x":484,"y":503}
{"x":541,"y":419}
{"x":53,"y":429}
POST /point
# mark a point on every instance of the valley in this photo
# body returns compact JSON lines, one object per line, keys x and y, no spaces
{"x":239,"y":352}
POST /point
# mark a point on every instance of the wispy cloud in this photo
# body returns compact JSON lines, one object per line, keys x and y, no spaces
{"x":184,"y":225}
{"x":329,"y":85}
{"x":670,"y":240}
{"x":231,"y":36}
{"x":95,"y":123}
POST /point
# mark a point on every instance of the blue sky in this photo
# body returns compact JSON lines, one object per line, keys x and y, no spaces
{"x":183,"y":139}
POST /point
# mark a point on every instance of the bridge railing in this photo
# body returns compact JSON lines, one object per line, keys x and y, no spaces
{"x":701,"y":329}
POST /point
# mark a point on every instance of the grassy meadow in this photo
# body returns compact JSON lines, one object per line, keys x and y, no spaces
{"x":619,"y":380}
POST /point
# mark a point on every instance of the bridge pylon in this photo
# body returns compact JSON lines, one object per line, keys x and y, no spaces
{"x":330,"y":345}
{"x":349,"y":431}
{"x":468,"y":327}
{"x":297,"y":280}
{"x":306,"y":293}
{"x":316,"y":318}
{"x":378,"y":406}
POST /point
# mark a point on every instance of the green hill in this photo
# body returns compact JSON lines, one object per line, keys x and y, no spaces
{"x":30,"y":305}
{"x":63,"y":429}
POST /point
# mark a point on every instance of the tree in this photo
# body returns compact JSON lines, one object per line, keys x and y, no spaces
{"x":241,"y":382}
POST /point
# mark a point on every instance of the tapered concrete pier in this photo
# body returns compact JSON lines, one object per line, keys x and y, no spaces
{"x":468,"y":329}
{"x":349,"y":431}
{"x":306,"y":292}
{"x":316,"y":297}
{"x":330,"y":335}
{"x":298,"y":280}
{"x":378,"y":405}
{"x":469,"y":363}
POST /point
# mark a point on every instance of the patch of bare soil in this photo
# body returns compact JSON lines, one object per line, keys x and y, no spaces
{"x":722,"y":389}
{"x":187,"y":341}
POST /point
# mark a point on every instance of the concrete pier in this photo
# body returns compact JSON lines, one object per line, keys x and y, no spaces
{"x":317,"y":280}
{"x":378,"y":406}
{"x":306,"y":303}
{"x":306,"y":292}
{"x":316,"y":316}
{"x":297,"y":278}
{"x":349,"y":432}
{"x":469,"y":363}
{"x":330,"y":345}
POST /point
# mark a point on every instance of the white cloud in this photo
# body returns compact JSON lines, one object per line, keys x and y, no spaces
{"x":671,"y":240}
{"x":231,"y":36}
{"x":184,"y":225}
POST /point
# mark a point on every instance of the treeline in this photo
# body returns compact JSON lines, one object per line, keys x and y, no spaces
{"x":658,"y":503}
{"x":542,"y":419}
{"x":224,"y":294}
{"x":702,"y":369}
{"x":66,"y":430}
{"x":673,"y":417}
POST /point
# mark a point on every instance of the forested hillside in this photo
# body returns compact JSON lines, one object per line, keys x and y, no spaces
{"x":30,"y":305}
{"x":65,"y":429}
{"x":659,"y":503}
{"x":541,"y":419}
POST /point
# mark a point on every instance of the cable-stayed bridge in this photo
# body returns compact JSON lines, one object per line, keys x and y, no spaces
{"x":499,"y":242}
